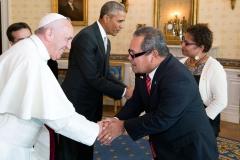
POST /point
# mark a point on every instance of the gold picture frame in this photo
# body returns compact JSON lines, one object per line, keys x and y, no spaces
{"x":193,"y":14}
{"x":79,"y":13}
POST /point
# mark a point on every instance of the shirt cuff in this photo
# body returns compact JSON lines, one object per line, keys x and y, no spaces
{"x":124,"y":92}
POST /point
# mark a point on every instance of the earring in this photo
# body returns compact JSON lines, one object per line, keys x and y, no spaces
{"x":196,"y":58}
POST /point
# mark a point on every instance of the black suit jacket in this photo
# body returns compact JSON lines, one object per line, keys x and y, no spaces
{"x":88,"y":76}
{"x":53,"y":65}
{"x":175,"y":118}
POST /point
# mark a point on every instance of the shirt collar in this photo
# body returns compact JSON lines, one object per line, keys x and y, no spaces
{"x":151,"y":74}
{"x":102,"y":31}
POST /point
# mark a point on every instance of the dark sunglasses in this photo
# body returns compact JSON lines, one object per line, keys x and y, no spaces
{"x":136,"y":54}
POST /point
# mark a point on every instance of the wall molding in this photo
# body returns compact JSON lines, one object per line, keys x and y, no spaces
{"x":5,"y":23}
{"x":230,"y":63}
{"x":121,"y":57}
{"x":227,"y":63}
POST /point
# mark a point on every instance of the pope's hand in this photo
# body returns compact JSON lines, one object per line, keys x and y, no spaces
{"x":114,"y":129}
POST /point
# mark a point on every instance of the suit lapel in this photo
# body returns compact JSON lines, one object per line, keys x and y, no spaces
{"x":99,"y":37}
{"x":159,"y":72}
{"x":102,"y":48}
{"x":156,"y":79}
{"x":143,"y":91}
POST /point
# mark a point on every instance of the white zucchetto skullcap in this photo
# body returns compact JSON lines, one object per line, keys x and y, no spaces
{"x":50,"y":17}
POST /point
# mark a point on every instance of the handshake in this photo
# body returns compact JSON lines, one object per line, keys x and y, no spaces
{"x":110,"y":128}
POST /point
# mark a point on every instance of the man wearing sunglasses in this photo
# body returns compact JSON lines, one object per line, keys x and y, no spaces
{"x":175,"y":119}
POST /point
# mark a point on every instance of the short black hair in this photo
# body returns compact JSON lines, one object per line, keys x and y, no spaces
{"x":111,"y":8}
{"x":15,"y":27}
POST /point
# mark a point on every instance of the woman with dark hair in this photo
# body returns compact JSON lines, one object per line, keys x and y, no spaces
{"x":207,"y":71}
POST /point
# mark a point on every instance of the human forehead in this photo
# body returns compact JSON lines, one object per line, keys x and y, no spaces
{"x":188,"y":37}
{"x":65,"y":28}
{"x":118,"y":14}
{"x":136,"y":43}
{"x":22,"y":33}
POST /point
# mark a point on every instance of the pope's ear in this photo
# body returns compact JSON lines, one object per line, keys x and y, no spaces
{"x":48,"y":34}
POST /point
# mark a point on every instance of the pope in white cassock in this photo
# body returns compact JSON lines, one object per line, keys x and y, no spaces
{"x":30,"y":95}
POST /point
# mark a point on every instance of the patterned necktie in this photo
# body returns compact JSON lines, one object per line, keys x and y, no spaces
{"x":105,"y":43}
{"x":148,"y":83}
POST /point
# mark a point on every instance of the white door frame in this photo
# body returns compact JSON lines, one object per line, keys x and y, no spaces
{"x":5,"y":23}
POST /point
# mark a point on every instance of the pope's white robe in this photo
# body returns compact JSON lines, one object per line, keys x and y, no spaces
{"x":30,"y":96}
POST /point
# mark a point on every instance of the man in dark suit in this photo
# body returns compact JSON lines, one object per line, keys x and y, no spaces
{"x":71,"y":11}
{"x":88,"y":76}
{"x":175,"y":118}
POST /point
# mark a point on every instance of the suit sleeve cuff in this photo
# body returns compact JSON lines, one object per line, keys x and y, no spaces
{"x":124,"y":92}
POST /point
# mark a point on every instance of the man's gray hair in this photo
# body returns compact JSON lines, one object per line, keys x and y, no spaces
{"x":153,"y":40}
{"x":111,"y":8}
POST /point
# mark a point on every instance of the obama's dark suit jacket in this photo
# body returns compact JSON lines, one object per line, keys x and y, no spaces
{"x":87,"y":79}
{"x":175,"y":118}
